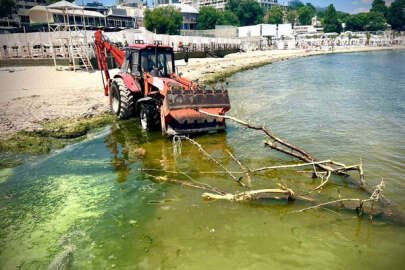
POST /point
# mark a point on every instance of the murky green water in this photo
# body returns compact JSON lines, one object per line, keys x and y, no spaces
{"x":88,"y":206}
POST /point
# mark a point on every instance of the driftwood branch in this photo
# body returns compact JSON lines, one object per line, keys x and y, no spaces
{"x":192,"y":180}
{"x":251,"y":195}
{"x":262,"y":128}
{"x":283,"y":146}
{"x":333,"y":167}
{"x":361,"y":203}
{"x":205,"y":187}
{"x":202,"y":150}
{"x":243,"y":167}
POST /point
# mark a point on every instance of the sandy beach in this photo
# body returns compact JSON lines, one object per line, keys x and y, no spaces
{"x":32,"y":95}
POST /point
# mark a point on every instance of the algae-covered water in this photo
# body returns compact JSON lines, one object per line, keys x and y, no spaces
{"x":89,"y":207}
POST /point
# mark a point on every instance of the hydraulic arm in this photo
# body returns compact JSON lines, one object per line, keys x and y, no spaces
{"x":101,"y":50}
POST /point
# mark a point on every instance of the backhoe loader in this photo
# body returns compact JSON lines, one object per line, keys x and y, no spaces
{"x":148,"y":86}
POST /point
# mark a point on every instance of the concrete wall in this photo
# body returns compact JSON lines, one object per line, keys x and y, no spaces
{"x":249,"y":31}
{"x":261,"y":30}
{"x":269,"y":30}
{"x":285,"y":30}
{"x":220,"y":32}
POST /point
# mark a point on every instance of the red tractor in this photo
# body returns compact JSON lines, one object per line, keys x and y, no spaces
{"x":148,"y":86}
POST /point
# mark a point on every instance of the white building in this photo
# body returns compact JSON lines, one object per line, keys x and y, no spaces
{"x":307,"y":29}
{"x":263,"y":30}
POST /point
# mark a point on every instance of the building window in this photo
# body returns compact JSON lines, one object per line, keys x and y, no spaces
{"x":25,"y":19}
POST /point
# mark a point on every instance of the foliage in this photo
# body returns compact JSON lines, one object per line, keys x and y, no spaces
{"x":292,"y":16}
{"x":249,"y":12}
{"x":371,"y":21}
{"x":163,"y":20}
{"x":305,"y":15}
{"x":342,"y":16}
{"x":379,"y":6}
{"x":320,"y":14}
{"x":210,"y":16}
{"x":331,"y":23}
{"x":295,"y":4}
{"x":375,"y":21}
{"x":7,"y":7}
{"x":396,"y":15}
{"x":232,"y":5}
{"x":356,"y":22}
{"x":275,"y":15}
{"x":312,"y":8}
{"x":229,"y":18}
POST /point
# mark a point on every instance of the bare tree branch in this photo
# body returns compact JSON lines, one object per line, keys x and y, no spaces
{"x":201,"y":149}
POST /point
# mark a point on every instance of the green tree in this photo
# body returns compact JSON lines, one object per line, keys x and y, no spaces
{"x":208,"y":17}
{"x":292,"y":16}
{"x":305,"y":15}
{"x":396,"y":15}
{"x":295,"y":4}
{"x":330,"y":22}
{"x":229,"y":18}
{"x":311,"y":7}
{"x":276,"y":15}
{"x":375,"y":21}
{"x":249,"y":12}
{"x":7,"y":7}
{"x":163,"y":20}
{"x":342,"y":16}
{"x":379,"y":6}
{"x":232,"y":5}
{"x":356,"y":22}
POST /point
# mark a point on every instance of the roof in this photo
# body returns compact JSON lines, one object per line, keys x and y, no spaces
{"x":63,"y":5}
{"x":183,"y":7}
{"x":80,"y":12}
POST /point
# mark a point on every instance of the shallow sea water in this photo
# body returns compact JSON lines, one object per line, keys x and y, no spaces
{"x":88,"y":206}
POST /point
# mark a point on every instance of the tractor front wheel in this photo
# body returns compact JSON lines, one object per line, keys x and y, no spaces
{"x":149,"y":116}
{"x":121,"y":99}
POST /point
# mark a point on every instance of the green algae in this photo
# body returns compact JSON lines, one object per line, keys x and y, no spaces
{"x":55,"y":134}
{"x":222,"y":76}
{"x":9,"y":163}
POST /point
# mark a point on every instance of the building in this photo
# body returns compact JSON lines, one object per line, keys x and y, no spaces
{"x":118,"y":18}
{"x":91,"y":16}
{"x":165,"y":2}
{"x":20,"y":18}
{"x":79,"y":17}
{"x":189,"y":13}
{"x":220,"y":4}
{"x":268,"y":4}
{"x":134,"y":9}
{"x":307,"y":29}
{"x":96,"y":6}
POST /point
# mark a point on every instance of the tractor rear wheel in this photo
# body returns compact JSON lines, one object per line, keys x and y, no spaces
{"x":122,"y":99}
{"x":149,"y":116}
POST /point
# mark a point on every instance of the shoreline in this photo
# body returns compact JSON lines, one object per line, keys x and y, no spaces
{"x":46,"y":97}
{"x":233,"y":63}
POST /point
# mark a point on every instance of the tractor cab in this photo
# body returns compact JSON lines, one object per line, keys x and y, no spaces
{"x":158,"y":61}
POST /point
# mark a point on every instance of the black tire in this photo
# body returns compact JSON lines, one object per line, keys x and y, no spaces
{"x":149,"y":116}
{"x":122,"y":100}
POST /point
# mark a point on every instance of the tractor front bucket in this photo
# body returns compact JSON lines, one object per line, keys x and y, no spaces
{"x":180,"y":111}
